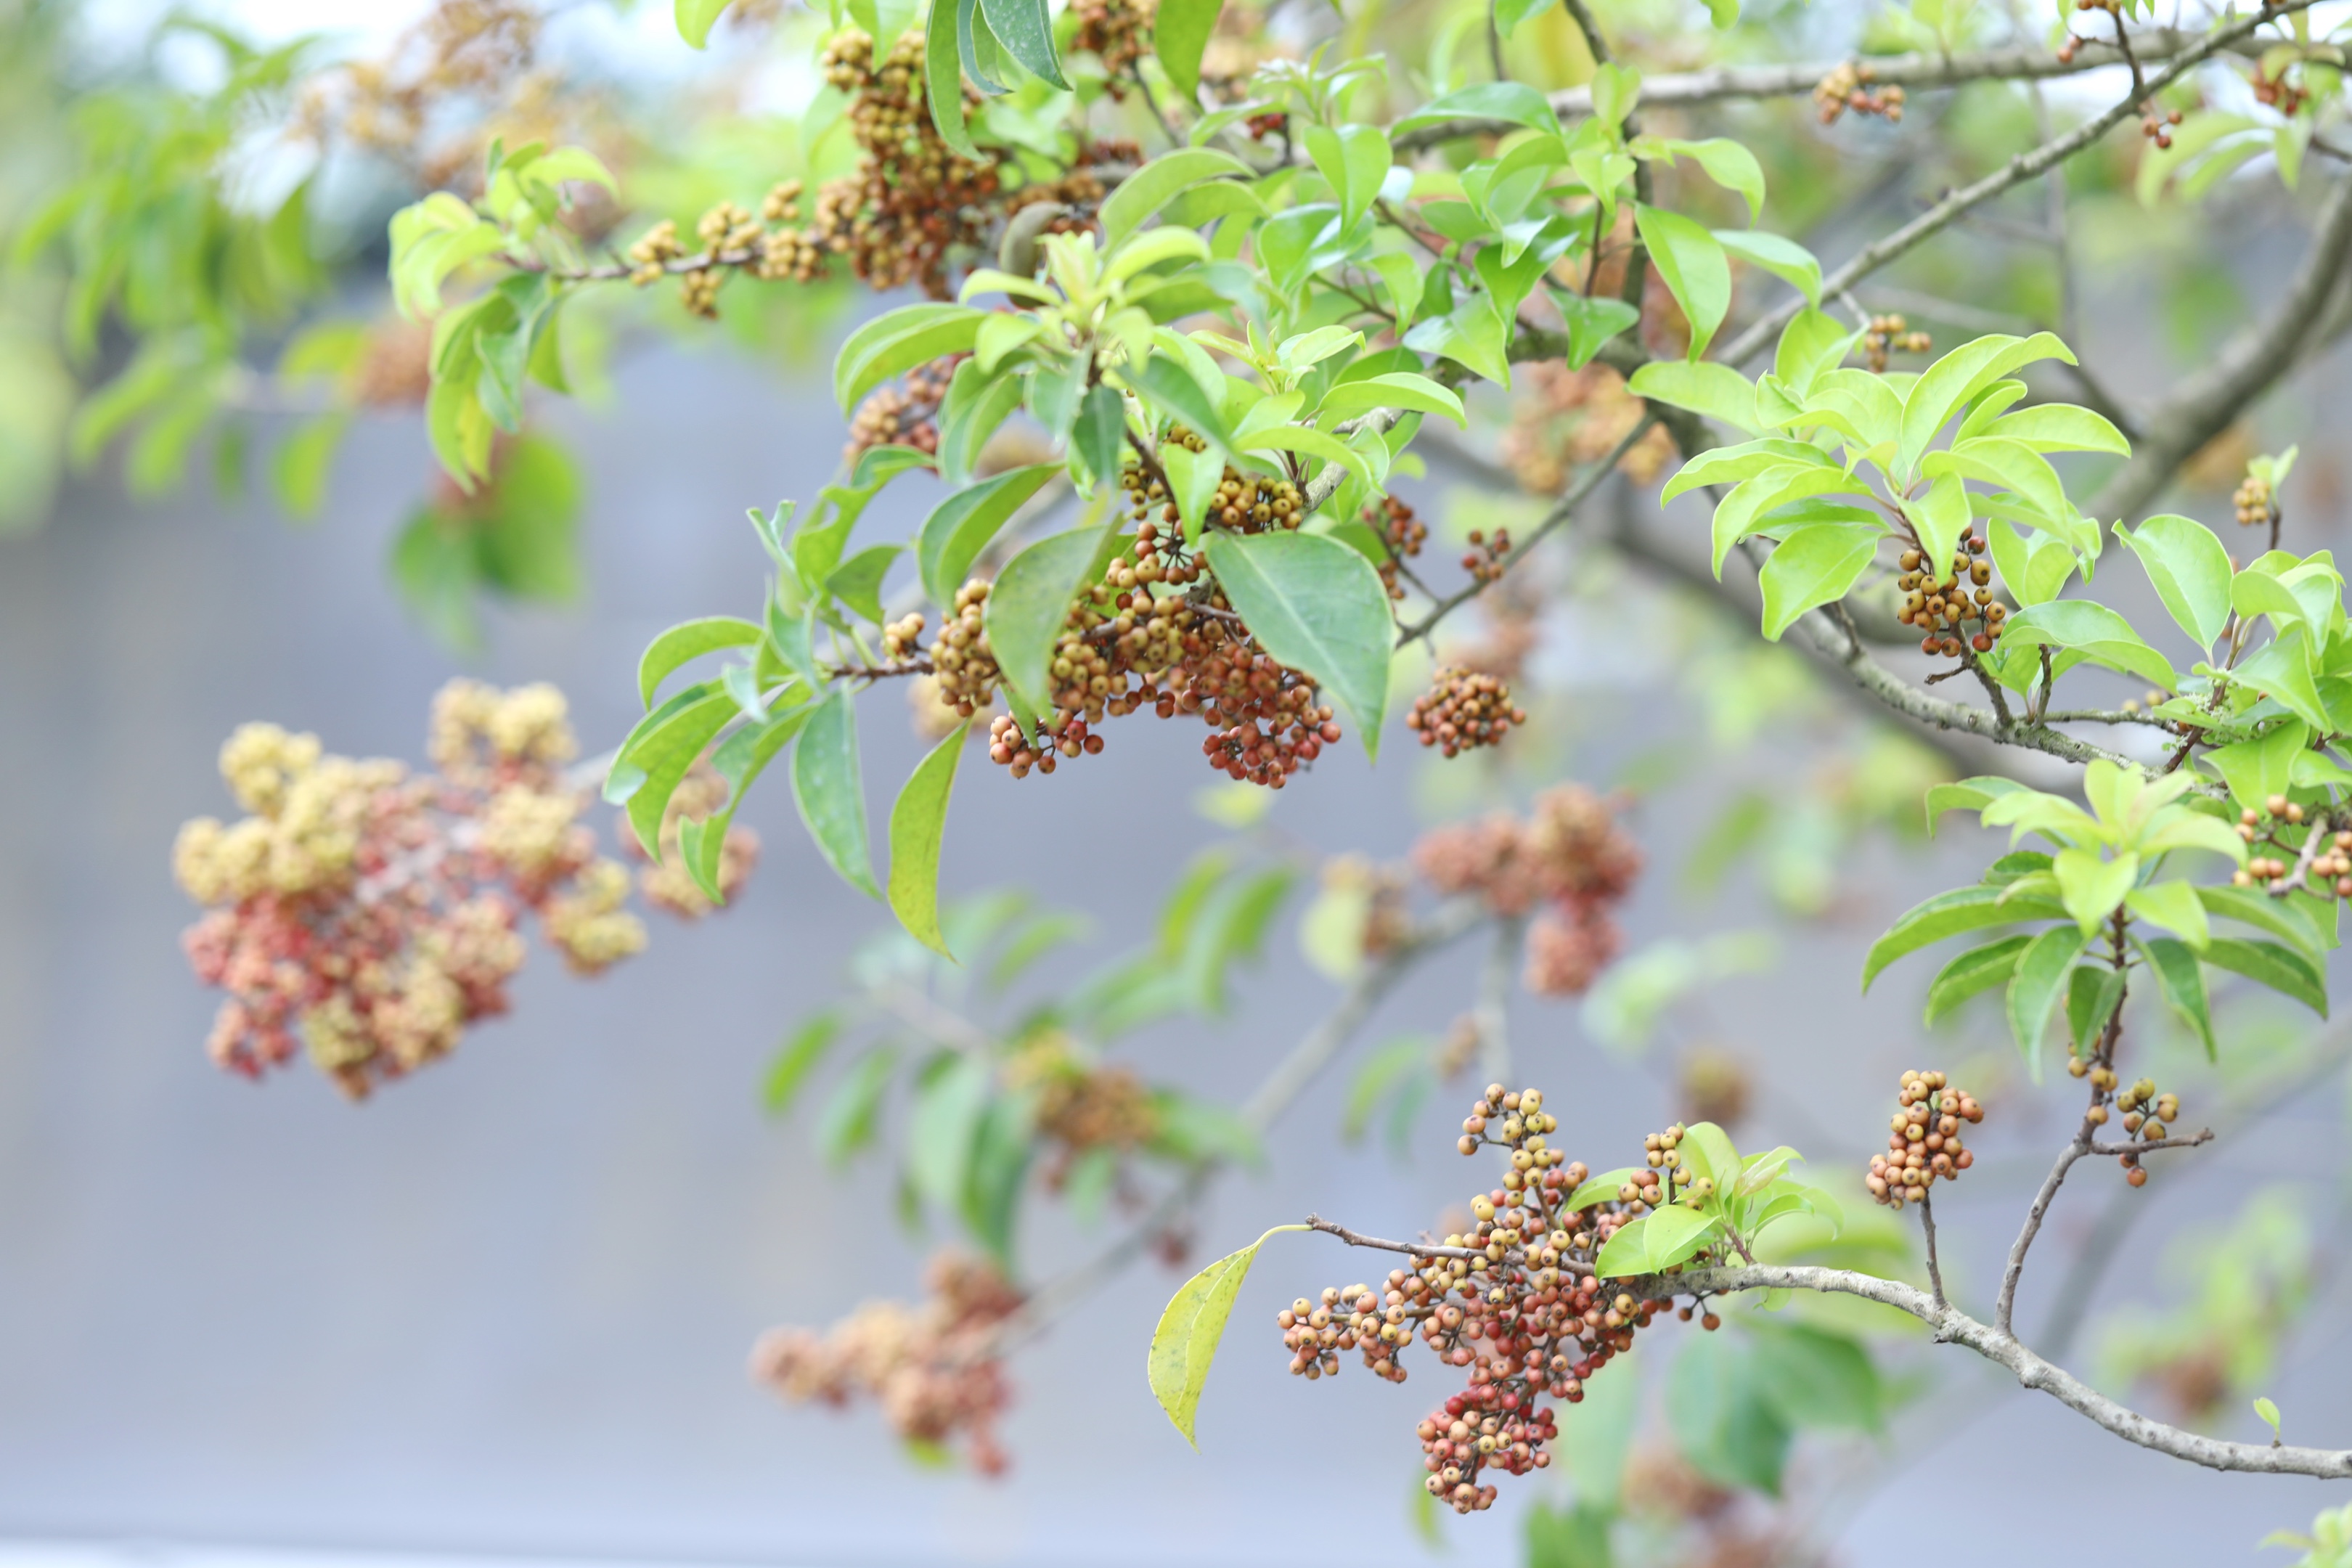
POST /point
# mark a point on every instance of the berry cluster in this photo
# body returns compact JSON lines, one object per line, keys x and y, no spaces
{"x":2156,"y":124}
{"x":1401,"y":535}
{"x":1185,"y":651}
{"x":1245,"y":503}
{"x":903,"y":414}
{"x":1562,"y":419}
{"x":375,"y":910}
{"x":1513,"y":1301}
{"x":2256,"y":502}
{"x":1080,"y":1105}
{"x":1462,"y":709}
{"x":2330,"y":866}
{"x":934,"y":1368}
{"x":1486,"y":559}
{"x":2148,"y":1116}
{"x":1945,"y":609}
{"x":1847,"y":86}
{"x":1923,"y":1140}
{"x":1114,"y":32}
{"x":1260,"y":126}
{"x":1570,"y":854}
{"x":2287,"y":98}
{"x":1881,"y":335}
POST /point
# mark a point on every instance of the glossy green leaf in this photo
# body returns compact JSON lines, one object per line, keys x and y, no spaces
{"x":2095,"y":631}
{"x":2037,"y":988}
{"x":1784,"y":258}
{"x":1592,"y":322}
{"x":686,"y":641}
{"x":1025,"y":28}
{"x":2091,"y":888}
{"x":1950,"y":914}
{"x":2190,"y":569}
{"x":1690,"y":261}
{"x":1405,"y":390}
{"x":739,"y":760}
{"x":944,"y":79}
{"x":2175,"y":906}
{"x":2282,"y":669}
{"x":1100,"y":435}
{"x":1028,"y":607}
{"x":1816,"y":1378}
{"x":1355,"y":160}
{"x":1179,"y":34}
{"x":951,"y":1096}
{"x":1659,"y":1240}
{"x":1512,"y":101}
{"x":1946,"y":386}
{"x":1714,"y":390}
{"x":2061,"y":428}
{"x":830,"y":790}
{"x":1185,"y":1342}
{"x":1814,"y":564}
{"x":2282,"y":969}
{"x":2261,"y":912}
{"x":917,"y":826}
{"x":1600,"y":1189}
{"x":2257,"y":769}
{"x":653,"y":760}
{"x":2092,"y":993}
{"x":1318,"y":606}
{"x":1978,"y":969}
{"x":897,"y":341}
{"x":960,"y":527}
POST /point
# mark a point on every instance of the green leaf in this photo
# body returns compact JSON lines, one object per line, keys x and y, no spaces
{"x":1979,"y":968}
{"x":2189,"y":568}
{"x":1511,"y":14}
{"x":960,"y":527}
{"x":1026,"y":30}
{"x":852,"y":1116}
{"x":918,"y":825}
{"x":1179,"y":34}
{"x":1592,"y":322}
{"x":2175,"y":906}
{"x":1002,"y":1149}
{"x":1318,"y":606}
{"x":1162,"y":180}
{"x":798,"y":1058}
{"x":1948,"y":914}
{"x":1173,"y":389}
{"x":1028,"y":607}
{"x":654,"y":758}
{"x":1714,"y":390}
{"x":1659,"y":1240}
{"x":1815,"y":564}
{"x":2282,"y":969}
{"x":1722,"y":1419}
{"x":2092,"y":993}
{"x":1354,"y":159}
{"x":897,"y":341}
{"x":2061,"y":428}
{"x":2263,"y":913}
{"x":830,"y":790}
{"x":2181,"y":983}
{"x":695,"y":18}
{"x":739,"y":760}
{"x":1816,"y":1378}
{"x":2037,"y":987}
{"x":2095,"y":631}
{"x":1600,"y":1189}
{"x":858,"y":581}
{"x":1948,"y":385}
{"x":944,"y":79}
{"x":1731,"y":165}
{"x":1185,"y":1342}
{"x":1511,"y":100}
{"x":1691,"y":260}
{"x":1405,"y":390}
{"x":686,"y":641}
{"x":951,"y":1096}
{"x":1784,"y":258}
{"x":1100,"y":435}
{"x":1966,"y":794}
{"x":2258,"y":769}
{"x":302,"y":464}
{"x":2282,"y":669}
{"x":2091,"y":888}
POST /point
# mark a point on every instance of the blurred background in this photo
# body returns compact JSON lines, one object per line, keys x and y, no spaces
{"x":502,"y":1310}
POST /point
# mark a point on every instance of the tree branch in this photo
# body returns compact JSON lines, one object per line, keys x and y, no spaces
{"x":2208,"y":401}
{"x":1724,"y":83}
{"x":1953,"y":1326}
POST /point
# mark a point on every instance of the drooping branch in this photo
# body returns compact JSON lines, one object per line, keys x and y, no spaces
{"x":2210,"y":400}
{"x":1952,"y":1326}
{"x":1726,"y":83}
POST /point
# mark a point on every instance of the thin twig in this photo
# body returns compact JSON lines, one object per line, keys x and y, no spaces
{"x":1928,"y":1223}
